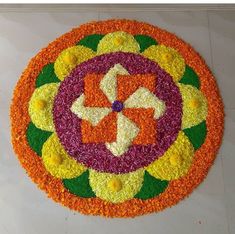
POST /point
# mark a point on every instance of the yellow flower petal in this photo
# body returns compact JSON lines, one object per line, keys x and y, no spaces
{"x":118,"y":41}
{"x":40,"y":106}
{"x":116,"y":188}
{"x":114,"y":185}
{"x":194,"y":106}
{"x":70,"y":58}
{"x":143,"y":98}
{"x":58,"y":162}
{"x":109,"y":82}
{"x":167,"y":58}
{"x":176,"y":160}
{"x":92,"y":114}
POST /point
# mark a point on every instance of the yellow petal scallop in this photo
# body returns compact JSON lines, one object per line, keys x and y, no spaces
{"x":118,"y":41}
{"x":70,"y":58}
{"x":167,"y":58}
{"x":40,"y":106}
{"x":194,"y":106}
{"x":176,"y":160}
{"x":116,"y":188}
{"x":57,"y":162}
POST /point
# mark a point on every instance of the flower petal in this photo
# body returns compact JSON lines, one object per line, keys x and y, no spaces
{"x":94,"y":96}
{"x":104,"y":131}
{"x":58,"y":162}
{"x":126,"y":133}
{"x":167,"y":58}
{"x":144,"y":119}
{"x":143,"y":98}
{"x":128,"y":84}
{"x":40,"y":106}
{"x":194,"y":106}
{"x":92,"y":114}
{"x":109,"y":82}
{"x":116,"y":188}
{"x":70,"y":58}
{"x":118,"y":41}
{"x":175,"y":162}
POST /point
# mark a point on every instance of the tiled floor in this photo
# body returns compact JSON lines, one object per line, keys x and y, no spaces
{"x":209,"y":210}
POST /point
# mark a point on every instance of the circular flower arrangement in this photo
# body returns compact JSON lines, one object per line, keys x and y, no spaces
{"x":117,"y":118}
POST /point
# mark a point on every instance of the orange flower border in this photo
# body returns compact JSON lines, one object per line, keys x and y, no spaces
{"x":177,"y":189}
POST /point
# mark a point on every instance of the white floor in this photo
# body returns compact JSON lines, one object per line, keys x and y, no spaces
{"x":209,"y":210}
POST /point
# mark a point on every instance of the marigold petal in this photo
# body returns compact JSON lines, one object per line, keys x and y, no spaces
{"x":127,"y":130}
{"x":94,"y":97}
{"x":144,"y":120}
{"x":104,"y":131}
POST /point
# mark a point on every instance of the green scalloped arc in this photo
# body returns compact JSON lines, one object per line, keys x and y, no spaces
{"x":91,"y":41}
{"x":80,"y":185}
{"x":36,"y":138}
{"x":145,"y":41}
{"x":196,"y":134}
{"x":47,"y":75}
{"x":190,"y":77}
{"x":151,"y":187}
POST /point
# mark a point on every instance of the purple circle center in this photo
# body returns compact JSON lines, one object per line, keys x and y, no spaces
{"x":96,"y":155}
{"x":117,"y":106}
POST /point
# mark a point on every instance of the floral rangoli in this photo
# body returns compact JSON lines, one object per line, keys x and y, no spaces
{"x":117,"y":118}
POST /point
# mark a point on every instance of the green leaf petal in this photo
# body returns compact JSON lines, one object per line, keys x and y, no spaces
{"x":47,"y":75}
{"x":190,"y":77}
{"x":91,"y":41}
{"x":196,"y":134}
{"x":36,"y":138}
{"x":145,"y":41}
{"x":80,"y":185}
{"x":151,"y":187}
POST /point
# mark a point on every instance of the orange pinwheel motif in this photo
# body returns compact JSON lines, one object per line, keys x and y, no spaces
{"x":119,"y":109}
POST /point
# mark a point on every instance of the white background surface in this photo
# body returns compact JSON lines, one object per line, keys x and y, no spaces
{"x":24,"y":209}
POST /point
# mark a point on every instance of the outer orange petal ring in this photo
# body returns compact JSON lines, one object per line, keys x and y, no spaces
{"x":178,"y":189}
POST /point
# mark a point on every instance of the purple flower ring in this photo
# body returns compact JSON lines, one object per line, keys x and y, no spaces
{"x":96,"y":155}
